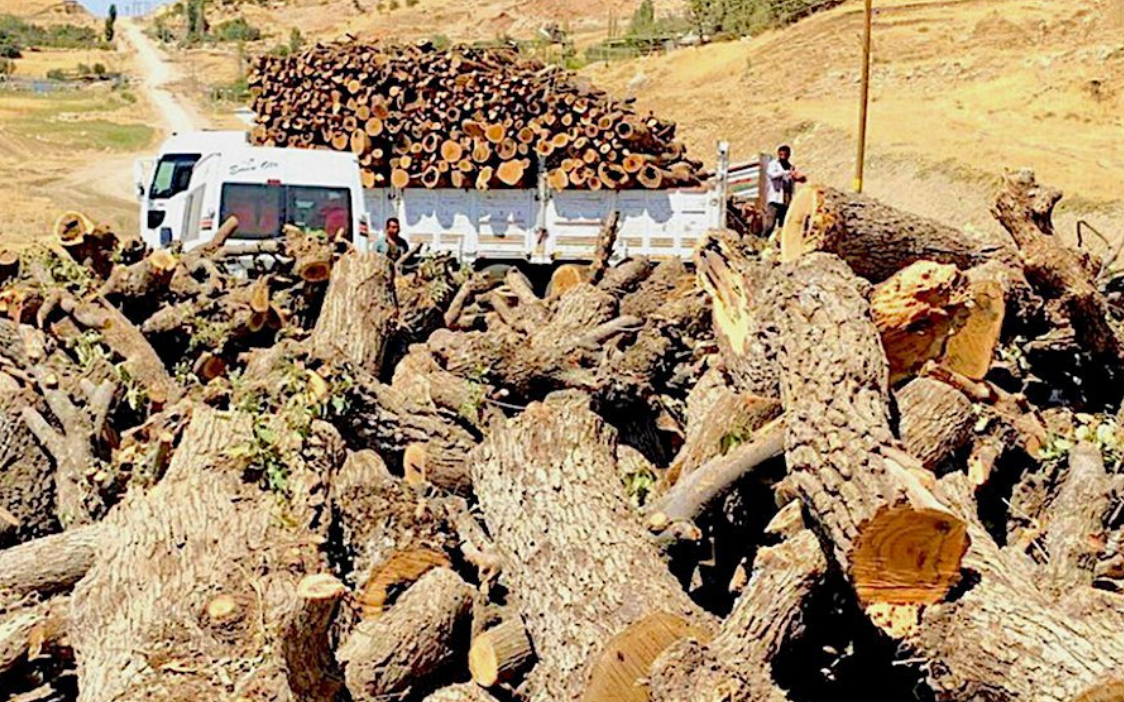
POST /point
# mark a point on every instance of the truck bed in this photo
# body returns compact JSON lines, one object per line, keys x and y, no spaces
{"x":541,"y":226}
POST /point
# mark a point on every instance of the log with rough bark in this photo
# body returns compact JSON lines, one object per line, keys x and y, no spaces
{"x":465,"y":692}
{"x":501,"y":654}
{"x":383,"y":527}
{"x":395,"y":654}
{"x":548,"y":487}
{"x":737,"y":663}
{"x":934,"y":420}
{"x":1063,"y":276}
{"x":877,"y":240}
{"x":894,"y":540}
{"x":1018,"y":634}
{"x":50,"y":564}
{"x":231,"y":556}
{"x":26,"y":479}
{"x":359,"y":312}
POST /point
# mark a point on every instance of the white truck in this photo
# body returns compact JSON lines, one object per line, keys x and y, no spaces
{"x":481,"y":227}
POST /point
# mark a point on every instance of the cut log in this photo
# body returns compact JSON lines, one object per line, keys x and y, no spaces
{"x":466,"y":692}
{"x":359,"y":312}
{"x":1008,"y":638}
{"x":582,"y":540}
{"x":623,"y":667}
{"x":877,"y":240}
{"x":500,"y":654}
{"x":311,"y":253}
{"x":916,"y":311}
{"x":51,"y":564}
{"x":566,"y":277}
{"x":1079,"y":513}
{"x":970,"y":349}
{"x":895,"y":541}
{"x":1063,"y":276}
{"x":935,"y":420}
{"x":213,"y":533}
{"x":699,"y":489}
{"x":400,"y":570}
{"x":738,"y":662}
{"x":398,"y":653}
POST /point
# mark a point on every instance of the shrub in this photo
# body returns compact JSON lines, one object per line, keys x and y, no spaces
{"x":235,"y":30}
{"x":56,"y":74}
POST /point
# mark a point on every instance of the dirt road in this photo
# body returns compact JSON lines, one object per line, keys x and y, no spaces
{"x":107,"y":184}
{"x":176,"y":114}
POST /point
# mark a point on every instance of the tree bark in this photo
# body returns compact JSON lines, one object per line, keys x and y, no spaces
{"x":738,"y":661}
{"x":547,"y":484}
{"x":201,"y":573}
{"x":41,"y":626}
{"x":358,"y":314}
{"x":1008,"y":639}
{"x":1063,"y":276}
{"x":465,"y":692}
{"x":894,"y":540}
{"x":50,"y":564}
{"x":877,"y":240}
{"x":500,"y":654}
{"x":393,"y":655}
{"x":934,"y":420}
{"x":26,"y":482}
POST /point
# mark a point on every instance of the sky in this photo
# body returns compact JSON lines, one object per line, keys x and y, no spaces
{"x":100,"y":7}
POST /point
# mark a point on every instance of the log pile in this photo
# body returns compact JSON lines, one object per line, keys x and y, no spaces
{"x":417,"y":116}
{"x":753,"y":480}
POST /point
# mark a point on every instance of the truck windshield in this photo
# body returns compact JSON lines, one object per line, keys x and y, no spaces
{"x":172,"y":175}
{"x":263,"y":209}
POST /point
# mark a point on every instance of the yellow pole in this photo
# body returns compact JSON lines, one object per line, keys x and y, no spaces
{"x":860,"y":166}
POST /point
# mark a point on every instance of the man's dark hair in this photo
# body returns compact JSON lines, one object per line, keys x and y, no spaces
{"x":393,"y":219}
{"x":784,"y":147}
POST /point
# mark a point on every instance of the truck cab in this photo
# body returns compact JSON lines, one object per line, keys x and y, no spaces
{"x":268,"y":188}
{"x":160,"y":180}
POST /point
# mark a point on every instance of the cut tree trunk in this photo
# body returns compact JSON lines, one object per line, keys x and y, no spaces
{"x":547,"y":484}
{"x":894,"y":540}
{"x":738,"y":661}
{"x":934,"y":420}
{"x":877,"y":240}
{"x":26,"y":481}
{"x":394,"y":655}
{"x":916,"y":311}
{"x":229,"y":556}
{"x":359,"y":312}
{"x":1062,"y":275}
{"x":501,"y":654}
{"x":50,"y":564}
{"x":1010,"y":639}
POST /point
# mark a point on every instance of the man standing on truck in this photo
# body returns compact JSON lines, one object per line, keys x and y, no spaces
{"x":782,"y":178}
{"x":391,"y":242}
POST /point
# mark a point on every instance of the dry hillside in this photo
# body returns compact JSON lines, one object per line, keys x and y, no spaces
{"x":961,"y":90}
{"x":46,"y":11}
{"x":469,"y":21}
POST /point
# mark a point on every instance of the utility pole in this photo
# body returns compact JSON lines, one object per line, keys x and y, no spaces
{"x":860,"y":166}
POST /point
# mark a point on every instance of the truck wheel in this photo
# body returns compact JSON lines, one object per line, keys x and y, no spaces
{"x":565,"y":277}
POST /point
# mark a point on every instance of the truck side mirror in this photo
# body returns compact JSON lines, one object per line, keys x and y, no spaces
{"x":141,"y":168}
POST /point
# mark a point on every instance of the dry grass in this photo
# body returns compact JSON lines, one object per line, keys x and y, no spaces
{"x":961,"y":90}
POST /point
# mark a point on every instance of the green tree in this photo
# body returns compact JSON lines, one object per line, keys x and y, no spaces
{"x":111,"y":23}
{"x":196,"y":21}
{"x":643,"y":22}
{"x":296,"y":41}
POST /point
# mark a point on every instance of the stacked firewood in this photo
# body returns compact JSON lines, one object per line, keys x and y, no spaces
{"x":466,"y":117}
{"x":887,"y":451}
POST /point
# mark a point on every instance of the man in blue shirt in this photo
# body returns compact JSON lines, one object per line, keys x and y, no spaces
{"x":392,"y":242}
